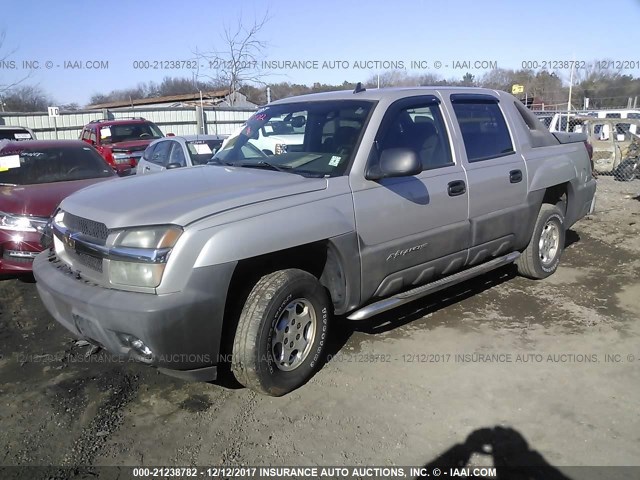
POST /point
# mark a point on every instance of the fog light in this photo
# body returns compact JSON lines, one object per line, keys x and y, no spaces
{"x":137,"y":345}
{"x":141,"y":348}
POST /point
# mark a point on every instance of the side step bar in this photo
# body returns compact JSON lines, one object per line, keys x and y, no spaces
{"x":418,"y":292}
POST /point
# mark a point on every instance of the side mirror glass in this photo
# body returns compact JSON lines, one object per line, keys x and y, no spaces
{"x":395,"y":162}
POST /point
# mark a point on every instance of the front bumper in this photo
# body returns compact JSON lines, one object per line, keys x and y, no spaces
{"x":17,"y":251}
{"x":182,"y":330}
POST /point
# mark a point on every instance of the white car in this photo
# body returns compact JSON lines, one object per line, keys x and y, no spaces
{"x":13,"y":132}
{"x":278,"y":135}
{"x":173,"y":152}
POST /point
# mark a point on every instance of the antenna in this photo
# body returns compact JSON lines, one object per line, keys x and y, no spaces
{"x":359,"y":88}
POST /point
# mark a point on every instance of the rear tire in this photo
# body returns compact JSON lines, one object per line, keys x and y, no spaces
{"x":542,"y":256}
{"x":282,"y":332}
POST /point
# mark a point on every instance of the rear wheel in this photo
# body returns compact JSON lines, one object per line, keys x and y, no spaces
{"x":542,"y":256}
{"x":282,"y":332}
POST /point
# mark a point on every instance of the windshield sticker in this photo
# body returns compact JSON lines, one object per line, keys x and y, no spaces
{"x":335,"y":161}
{"x":261,"y":117}
{"x":31,"y":154}
{"x":105,"y":132}
{"x":202,"y":148}
{"x":10,"y":161}
{"x":268,"y":128}
{"x":22,"y":136}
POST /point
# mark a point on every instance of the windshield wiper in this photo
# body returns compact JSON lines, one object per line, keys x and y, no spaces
{"x":271,"y":166}
{"x":217,"y":161}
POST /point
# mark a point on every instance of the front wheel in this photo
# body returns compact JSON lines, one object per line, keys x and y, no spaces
{"x":542,"y":256}
{"x":281,"y":333}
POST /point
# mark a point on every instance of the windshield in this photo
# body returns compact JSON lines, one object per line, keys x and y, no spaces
{"x":201,"y":151}
{"x":14,"y":134}
{"x":127,"y":132}
{"x":53,"y":164}
{"x":321,"y":137}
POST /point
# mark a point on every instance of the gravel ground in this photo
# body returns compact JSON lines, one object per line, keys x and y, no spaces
{"x":543,"y":372}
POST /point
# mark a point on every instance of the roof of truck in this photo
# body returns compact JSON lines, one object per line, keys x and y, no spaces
{"x":385,"y":93}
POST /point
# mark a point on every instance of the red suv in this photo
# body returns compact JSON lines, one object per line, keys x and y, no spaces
{"x":121,"y":142}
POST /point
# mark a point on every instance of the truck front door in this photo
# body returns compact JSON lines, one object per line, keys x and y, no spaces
{"x":412,"y":229}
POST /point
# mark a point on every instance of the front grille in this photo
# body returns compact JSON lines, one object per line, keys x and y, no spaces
{"x":7,"y":256}
{"x":96,"y":230}
{"x":88,"y":261}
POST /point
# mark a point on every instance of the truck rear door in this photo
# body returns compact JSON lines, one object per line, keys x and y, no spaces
{"x":496,"y":173}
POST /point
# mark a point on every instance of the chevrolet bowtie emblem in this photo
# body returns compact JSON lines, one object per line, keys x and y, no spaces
{"x":69,"y":241}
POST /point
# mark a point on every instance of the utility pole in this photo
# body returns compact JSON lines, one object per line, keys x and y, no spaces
{"x":570,"y":92}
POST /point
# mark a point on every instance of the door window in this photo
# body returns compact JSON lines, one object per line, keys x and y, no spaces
{"x":484,"y":129}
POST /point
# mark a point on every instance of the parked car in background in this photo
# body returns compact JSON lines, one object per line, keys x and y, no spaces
{"x":121,"y":142}
{"x":279,"y":135}
{"x":612,"y":140}
{"x":13,"y":132}
{"x":35,"y":176}
{"x":175,"y":152}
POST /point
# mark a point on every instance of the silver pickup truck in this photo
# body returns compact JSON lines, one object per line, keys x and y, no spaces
{"x":393,"y":194}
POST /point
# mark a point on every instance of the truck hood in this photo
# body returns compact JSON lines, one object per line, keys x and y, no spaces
{"x":41,"y":199}
{"x":184,"y":195}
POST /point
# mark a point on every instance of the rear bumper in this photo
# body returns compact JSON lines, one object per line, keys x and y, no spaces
{"x":181,"y":330}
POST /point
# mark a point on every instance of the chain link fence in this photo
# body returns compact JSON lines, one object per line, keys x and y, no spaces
{"x":613,"y":137}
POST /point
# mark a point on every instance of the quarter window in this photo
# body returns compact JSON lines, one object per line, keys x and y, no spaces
{"x":484,"y":130}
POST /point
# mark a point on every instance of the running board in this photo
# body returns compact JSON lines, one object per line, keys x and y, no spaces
{"x":418,"y":292}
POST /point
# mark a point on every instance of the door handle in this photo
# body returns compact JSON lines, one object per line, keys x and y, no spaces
{"x":515,"y":176}
{"x":457,"y":187}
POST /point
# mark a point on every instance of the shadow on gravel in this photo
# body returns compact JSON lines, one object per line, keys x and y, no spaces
{"x":24,"y":277}
{"x":342,"y":328}
{"x":570,"y":238}
{"x":387,"y":321}
{"x":508,"y":450}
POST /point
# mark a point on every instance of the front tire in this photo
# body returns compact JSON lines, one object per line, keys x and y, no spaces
{"x":281,"y":333}
{"x":542,"y":256}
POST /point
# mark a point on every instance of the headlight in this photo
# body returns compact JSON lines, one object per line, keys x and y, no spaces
{"x":152,"y":237}
{"x":20,"y":223}
{"x":136,"y":274}
{"x":148,"y":248}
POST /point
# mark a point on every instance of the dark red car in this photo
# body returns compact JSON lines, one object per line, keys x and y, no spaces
{"x":121,"y":142}
{"x":35,"y":175}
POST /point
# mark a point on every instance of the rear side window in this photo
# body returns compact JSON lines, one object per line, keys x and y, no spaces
{"x":484,"y":129}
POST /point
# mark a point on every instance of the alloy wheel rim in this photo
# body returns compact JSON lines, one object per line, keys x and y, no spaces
{"x":294,"y":333}
{"x":549,"y":243}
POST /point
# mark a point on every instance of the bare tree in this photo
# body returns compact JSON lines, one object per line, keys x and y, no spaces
{"x":27,"y":98}
{"x":5,"y":59}
{"x":238,"y":62}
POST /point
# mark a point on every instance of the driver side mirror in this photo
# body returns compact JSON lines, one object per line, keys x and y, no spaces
{"x":171,"y":166}
{"x":395,"y":162}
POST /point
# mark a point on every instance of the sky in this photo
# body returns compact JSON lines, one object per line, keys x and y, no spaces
{"x":116,"y":36}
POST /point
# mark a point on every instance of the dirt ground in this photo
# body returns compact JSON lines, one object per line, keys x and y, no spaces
{"x":547,"y":371}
